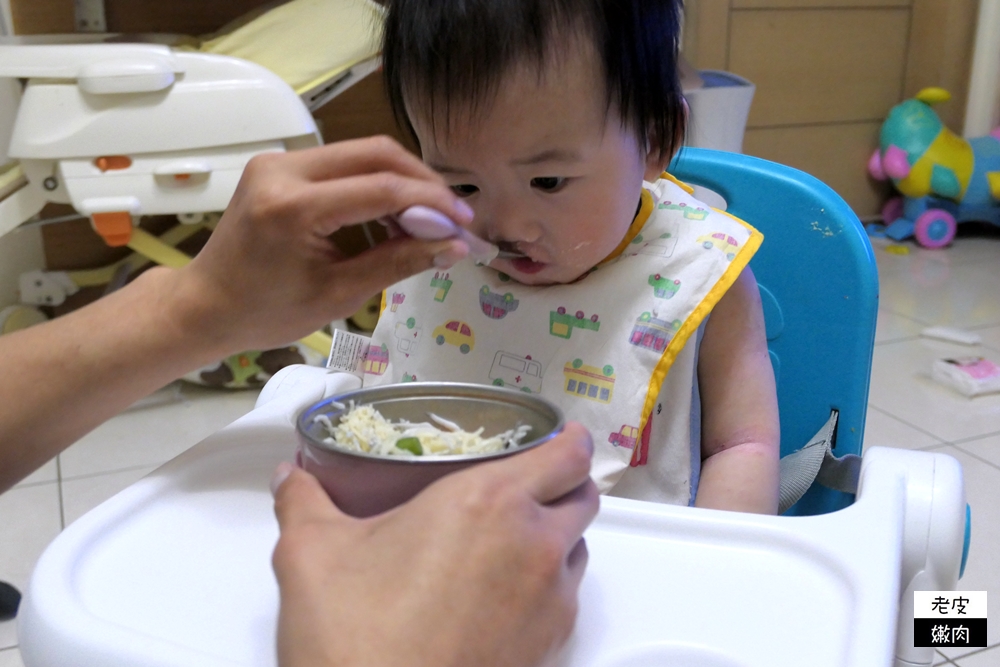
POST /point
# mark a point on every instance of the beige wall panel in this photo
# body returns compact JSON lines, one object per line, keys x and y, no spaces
{"x":835,"y":154}
{"x":39,"y":17}
{"x":940,"y":53}
{"x":706,"y":27}
{"x":802,"y":4}
{"x":816,"y":66}
{"x":361,"y":111}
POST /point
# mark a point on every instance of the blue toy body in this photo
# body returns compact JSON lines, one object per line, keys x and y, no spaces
{"x":943,"y":179}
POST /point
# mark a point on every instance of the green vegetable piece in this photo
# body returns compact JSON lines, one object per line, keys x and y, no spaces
{"x":410,"y":444}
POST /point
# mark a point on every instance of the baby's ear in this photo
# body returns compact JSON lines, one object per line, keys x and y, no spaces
{"x":657,"y":160}
{"x":656,"y":163}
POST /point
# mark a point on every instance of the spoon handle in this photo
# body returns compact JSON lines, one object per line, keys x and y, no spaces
{"x":425,"y":223}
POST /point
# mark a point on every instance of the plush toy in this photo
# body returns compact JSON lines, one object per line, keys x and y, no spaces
{"x":251,"y":370}
{"x":943,"y":178}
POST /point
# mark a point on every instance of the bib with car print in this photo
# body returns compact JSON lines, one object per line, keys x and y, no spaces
{"x":599,"y":347}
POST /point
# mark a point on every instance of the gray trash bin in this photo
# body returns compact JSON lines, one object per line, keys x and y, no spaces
{"x":719,"y":110}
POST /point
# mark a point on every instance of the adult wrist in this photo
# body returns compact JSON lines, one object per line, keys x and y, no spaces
{"x":190,"y":314}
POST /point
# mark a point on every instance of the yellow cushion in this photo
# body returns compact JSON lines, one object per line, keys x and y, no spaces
{"x":305,"y":42}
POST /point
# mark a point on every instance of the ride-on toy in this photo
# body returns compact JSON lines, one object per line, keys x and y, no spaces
{"x":943,"y":179}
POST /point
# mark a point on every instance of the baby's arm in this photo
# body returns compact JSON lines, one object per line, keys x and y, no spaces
{"x":740,"y":438}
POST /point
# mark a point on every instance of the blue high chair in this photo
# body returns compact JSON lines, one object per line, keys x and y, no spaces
{"x":819,"y":287}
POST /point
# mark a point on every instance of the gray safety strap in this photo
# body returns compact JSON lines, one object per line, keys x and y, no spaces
{"x":816,"y":463}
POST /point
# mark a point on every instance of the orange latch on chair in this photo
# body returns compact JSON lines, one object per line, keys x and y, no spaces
{"x":113,"y":162}
{"x":114,"y":227}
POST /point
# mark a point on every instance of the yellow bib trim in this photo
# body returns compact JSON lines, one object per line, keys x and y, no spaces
{"x":696,"y":317}
{"x":645,"y":209}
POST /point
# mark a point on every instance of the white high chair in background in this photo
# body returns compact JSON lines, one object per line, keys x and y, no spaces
{"x":122,"y":130}
{"x":175,"y":570}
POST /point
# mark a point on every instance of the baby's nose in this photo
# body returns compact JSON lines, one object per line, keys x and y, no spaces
{"x":511,"y":223}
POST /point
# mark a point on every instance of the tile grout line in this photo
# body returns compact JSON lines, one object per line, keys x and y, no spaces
{"x":905,"y":317}
{"x":977,"y":327}
{"x":59,"y":486}
{"x":904,"y":339}
{"x":90,"y":475}
{"x":978,"y":651}
{"x":940,"y":440}
{"x":973,"y":438}
{"x":978,"y":458}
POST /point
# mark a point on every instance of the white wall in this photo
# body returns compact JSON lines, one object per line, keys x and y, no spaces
{"x":982,"y":111}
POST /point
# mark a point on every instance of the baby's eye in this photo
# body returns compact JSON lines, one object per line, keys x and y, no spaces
{"x":464,"y":189}
{"x":548,"y":183}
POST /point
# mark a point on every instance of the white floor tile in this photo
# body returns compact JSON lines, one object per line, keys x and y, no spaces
{"x":82,"y":494}
{"x":982,"y":571}
{"x":150,"y":436}
{"x":988,"y":658}
{"x":892,"y":327}
{"x":8,"y":634}
{"x":10,"y":657}
{"x":991,"y":340}
{"x":987,"y":448}
{"x":47,"y":473}
{"x":940,"y":659}
{"x":886,"y":431}
{"x":964,"y":251}
{"x":901,"y":386}
{"x":944,"y":292}
{"x":29,"y":520}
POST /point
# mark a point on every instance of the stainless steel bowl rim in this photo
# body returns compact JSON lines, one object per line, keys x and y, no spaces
{"x":427,"y":390}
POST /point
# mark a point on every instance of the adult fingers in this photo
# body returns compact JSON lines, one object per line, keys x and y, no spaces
{"x":299,"y":499}
{"x":390,"y":262}
{"x":576,"y":563}
{"x":361,"y":156}
{"x":330,"y":205}
{"x":554,"y":469}
{"x":569,"y":516}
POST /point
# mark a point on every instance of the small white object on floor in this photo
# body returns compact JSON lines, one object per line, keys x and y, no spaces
{"x":971,"y":376}
{"x":952,"y":335}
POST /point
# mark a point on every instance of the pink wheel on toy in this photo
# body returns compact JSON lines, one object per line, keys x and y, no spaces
{"x":892,"y":210}
{"x":935,"y":228}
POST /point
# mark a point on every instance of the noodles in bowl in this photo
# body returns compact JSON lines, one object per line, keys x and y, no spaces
{"x":375,"y":448}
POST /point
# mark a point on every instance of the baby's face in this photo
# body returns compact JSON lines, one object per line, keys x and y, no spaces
{"x":548,"y":171}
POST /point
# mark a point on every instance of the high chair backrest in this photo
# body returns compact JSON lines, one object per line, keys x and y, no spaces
{"x":819,"y":287}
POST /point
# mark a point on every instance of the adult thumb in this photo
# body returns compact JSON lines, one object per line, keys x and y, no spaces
{"x":399,"y":258}
{"x":299,"y":498}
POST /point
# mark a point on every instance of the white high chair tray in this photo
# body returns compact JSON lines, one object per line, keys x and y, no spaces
{"x":175,"y":571}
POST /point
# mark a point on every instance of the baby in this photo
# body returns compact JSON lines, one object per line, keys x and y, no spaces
{"x":555,"y":120}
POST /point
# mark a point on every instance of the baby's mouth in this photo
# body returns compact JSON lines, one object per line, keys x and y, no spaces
{"x":521,"y":261}
{"x":527,"y":265}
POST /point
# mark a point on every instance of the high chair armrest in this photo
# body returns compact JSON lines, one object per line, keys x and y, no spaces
{"x":89,"y":62}
{"x":934,"y":530}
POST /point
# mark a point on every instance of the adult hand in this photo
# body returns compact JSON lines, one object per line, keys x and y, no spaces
{"x":481,"y":568}
{"x":270,"y":273}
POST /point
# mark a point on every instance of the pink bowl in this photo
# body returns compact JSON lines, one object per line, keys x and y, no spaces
{"x":366,"y":484}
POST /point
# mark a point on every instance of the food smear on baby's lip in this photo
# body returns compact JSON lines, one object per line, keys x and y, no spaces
{"x":363,"y":429}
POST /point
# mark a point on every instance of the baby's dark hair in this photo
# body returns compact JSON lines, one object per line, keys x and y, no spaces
{"x":444,"y":50}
